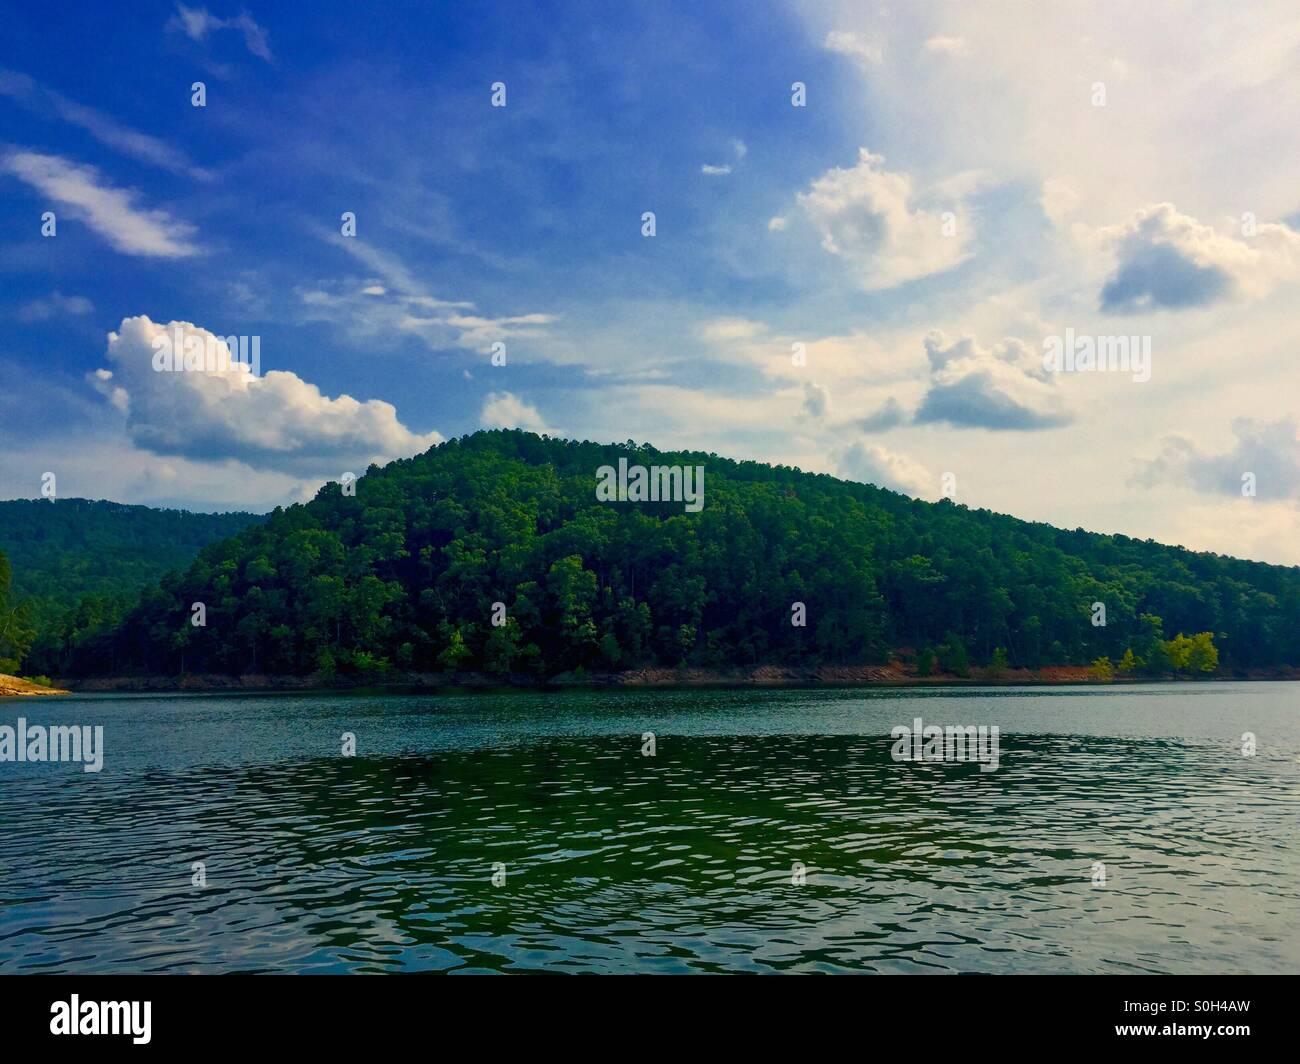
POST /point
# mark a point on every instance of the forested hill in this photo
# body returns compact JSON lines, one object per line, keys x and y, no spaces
{"x":411,"y":572}
{"x":79,"y":565}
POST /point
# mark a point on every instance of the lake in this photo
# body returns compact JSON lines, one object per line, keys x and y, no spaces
{"x":607,"y":860}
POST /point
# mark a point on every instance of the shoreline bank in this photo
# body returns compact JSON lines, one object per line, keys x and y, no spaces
{"x":768,"y":676}
{"x":14,"y":687}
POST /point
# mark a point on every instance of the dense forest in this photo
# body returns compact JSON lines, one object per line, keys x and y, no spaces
{"x":493,"y":553}
{"x":79,"y":566}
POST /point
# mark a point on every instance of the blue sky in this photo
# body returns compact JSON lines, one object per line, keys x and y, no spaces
{"x":954,"y":192}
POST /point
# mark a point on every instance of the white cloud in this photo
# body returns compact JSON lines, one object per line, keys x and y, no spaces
{"x":874,"y":464}
{"x":868,"y":216}
{"x":104,"y":128}
{"x":1199,"y":113}
{"x":723,"y":330}
{"x":1268,"y":450}
{"x":715,"y":171}
{"x":111,"y":212}
{"x":55,"y":304}
{"x":948,"y":45}
{"x":854,"y":45}
{"x":196,"y":23}
{"x":1245,"y":528}
{"x":816,"y":401}
{"x":1002,"y":388}
{"x":503,"y":410}
{"x":1170,"y":260}
{"x":891,"y":414}
{"x":274,"y":422}
{"x":375,"y":312}
{"x":848,"y":360}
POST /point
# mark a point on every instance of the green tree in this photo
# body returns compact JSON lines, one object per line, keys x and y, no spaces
{"x":1204,"y":655}
{"x":501,"y":650}
{"x":1178,"y":652}
{"x":998,"y":664}
{"x":16,"y":635}
{"x":1102,"y":669}
{"x":925,"y":661}
{"x":953,"y":656}
{"x":406,"y":571}
{"x":455,"y":653}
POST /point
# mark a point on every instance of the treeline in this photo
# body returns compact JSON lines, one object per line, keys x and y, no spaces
{"x":78,"y":567}
{"x":412,"y":571}
{"x":16,"y":631}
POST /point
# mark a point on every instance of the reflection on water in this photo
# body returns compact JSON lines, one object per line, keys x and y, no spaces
{"x":679,"y":862}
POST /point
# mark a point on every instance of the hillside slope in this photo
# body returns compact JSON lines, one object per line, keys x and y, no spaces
{"x":78,"y":565}
{"x":407,"y":574}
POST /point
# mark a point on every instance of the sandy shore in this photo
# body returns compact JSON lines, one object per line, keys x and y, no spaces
{"x":12,"y":685}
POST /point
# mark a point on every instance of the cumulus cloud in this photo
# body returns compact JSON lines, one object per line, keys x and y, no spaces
{"x":868,"y":216}
{"x":874,"y":464}
{"x":1000,"y":388}
{"x":890,"y":415}
{"x":1270,"y":450}
{"x":1170,"y":260}
{"x":503,"y":410}
{"x":112,"y":212}
{"x":197,"y":22}
{"x":274,"y":422}
{"x":816,"y":401}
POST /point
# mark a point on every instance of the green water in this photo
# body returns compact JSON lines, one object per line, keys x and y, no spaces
{"x":685,"y":861}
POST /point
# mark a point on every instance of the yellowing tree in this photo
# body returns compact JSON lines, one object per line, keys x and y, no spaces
{"x":1204,"y":655}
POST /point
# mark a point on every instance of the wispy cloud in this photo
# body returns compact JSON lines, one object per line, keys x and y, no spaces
{"x":197,"y":23}
{"x":103,"y":127}
{"x":947,"y":45}
{"x":403,"y":305}
{"x":111,"y":212}
{"x":855,"y":45}
{"x":56,"y":304}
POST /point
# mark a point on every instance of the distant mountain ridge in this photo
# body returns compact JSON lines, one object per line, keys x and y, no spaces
{"x":88,"y":560}
{"x":493,"y":552}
